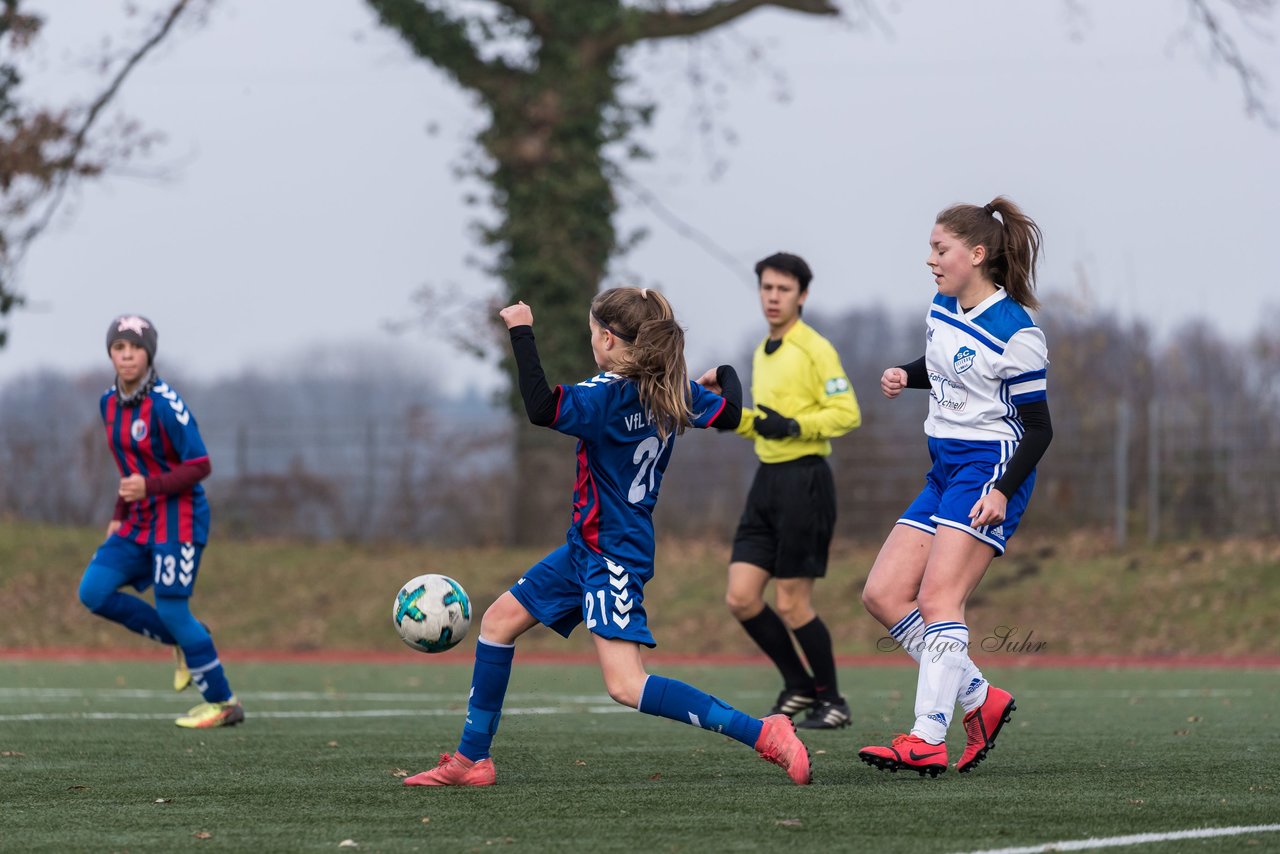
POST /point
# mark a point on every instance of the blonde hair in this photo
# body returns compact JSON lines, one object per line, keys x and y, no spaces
{"x":654,"y":356}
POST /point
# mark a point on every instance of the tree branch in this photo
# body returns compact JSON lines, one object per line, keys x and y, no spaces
{"x":645,"y":25}
{"x":443,"y":41}
{"x":79,"y":140}
{"x":1223,"y":48}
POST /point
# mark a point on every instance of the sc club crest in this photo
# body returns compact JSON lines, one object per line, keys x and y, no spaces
{"x":138,"y":430}
{"x":963,"y":359}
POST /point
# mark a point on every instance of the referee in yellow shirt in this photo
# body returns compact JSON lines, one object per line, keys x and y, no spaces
{"x":802,"y":399}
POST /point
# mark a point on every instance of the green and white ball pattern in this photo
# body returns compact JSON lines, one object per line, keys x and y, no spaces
{"x":432,"y":613}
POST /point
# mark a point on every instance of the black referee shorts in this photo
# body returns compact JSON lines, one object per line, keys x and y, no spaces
{"x":790,"y":515}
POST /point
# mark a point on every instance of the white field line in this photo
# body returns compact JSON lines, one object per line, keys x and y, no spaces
{"x":457,"y":698}
{"x":316,"y":714}
{"x":1134,"y":839}
{"x":416,"y":702}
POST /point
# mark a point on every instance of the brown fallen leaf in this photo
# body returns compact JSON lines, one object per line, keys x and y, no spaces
{"x":202,"y":834}
{"x":1193,"y":719}
{"x":819,"y":752}
{"x":332,"y":744}
{"x":1137,"y":801}
{"x":1182,"y":732}
{"x":76,"y":788}
{"x":426,"y":819}
{"x":579,"y":763}
{"x":656,"y":777}
{"x":348,"y":843}
{"x":790,"y":822}
{"x":399,"y":772}
{"x":164,"y":800}
{"x":11,"y":753}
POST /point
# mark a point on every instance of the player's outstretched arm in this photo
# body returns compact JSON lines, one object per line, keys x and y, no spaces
{"x":540,"y":400}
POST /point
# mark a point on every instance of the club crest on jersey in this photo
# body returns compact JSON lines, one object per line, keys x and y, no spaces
{"x":963,"y":359}
{"x":138,"y":430}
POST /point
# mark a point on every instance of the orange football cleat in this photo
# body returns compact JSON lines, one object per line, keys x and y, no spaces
{"x":779,"y":744}
{"x":908,"y":752}
{"x":982,"y":725}
{"x":456,"y":770}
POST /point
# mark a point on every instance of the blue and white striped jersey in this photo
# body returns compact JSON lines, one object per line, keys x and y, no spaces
{"x":982,"y":364}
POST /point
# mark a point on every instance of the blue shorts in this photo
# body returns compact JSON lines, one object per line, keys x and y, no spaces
{"x":171,"y":567}
{"x":574,"y":585}
{"x":962,"y":473}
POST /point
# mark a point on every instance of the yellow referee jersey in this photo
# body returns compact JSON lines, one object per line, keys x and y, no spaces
{"x":802,"y":379}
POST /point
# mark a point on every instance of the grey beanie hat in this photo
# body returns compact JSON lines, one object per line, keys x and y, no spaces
{"x":135,"y":328}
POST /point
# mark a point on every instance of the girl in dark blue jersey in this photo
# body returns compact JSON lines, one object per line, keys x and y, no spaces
{"x":161,"y":523}
{"x":626,"y":420}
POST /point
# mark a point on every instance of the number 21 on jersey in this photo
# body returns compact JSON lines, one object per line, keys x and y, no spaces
{"x":646,"y":457}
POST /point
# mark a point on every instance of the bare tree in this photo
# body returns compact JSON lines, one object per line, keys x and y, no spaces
{"x":46,"y":149}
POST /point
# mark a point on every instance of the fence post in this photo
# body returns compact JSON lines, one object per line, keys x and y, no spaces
{"x":1122,"y":471}
{"x":1153,"y":471}
{"x":242,"y":451}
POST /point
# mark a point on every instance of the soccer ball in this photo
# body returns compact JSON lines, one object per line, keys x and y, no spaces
{"x":432,"y":613}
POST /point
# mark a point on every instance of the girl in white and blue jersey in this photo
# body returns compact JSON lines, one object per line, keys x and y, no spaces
{"x":626,"y":420}
{"x":988,"y":425}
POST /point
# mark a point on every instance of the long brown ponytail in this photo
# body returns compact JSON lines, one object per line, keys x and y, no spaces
{"x":1012,"y":242}
{"x":654,"y":357}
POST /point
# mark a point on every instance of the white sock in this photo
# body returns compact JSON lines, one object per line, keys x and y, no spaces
{"x":944,"y":657}
{"x":909,"y":633}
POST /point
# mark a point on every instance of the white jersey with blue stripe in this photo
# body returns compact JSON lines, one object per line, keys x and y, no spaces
{"x":982,"y":364}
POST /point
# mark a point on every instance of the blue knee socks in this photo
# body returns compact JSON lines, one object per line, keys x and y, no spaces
{"x":488,"y":689}
{"x":668,"y":698}
{"x":197,"y":647}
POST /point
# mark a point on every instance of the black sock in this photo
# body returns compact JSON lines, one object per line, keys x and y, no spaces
{"x":771,"y":635}
{"x":815,"y":640}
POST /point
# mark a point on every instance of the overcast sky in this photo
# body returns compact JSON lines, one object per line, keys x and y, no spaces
{"x":308,"y":182}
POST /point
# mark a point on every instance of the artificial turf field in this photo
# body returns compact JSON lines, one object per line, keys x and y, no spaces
{"x":90,"y":761}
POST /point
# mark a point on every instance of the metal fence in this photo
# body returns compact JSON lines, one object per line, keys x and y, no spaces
{"x":1150,"y":443}
{"x":1135,"y":474}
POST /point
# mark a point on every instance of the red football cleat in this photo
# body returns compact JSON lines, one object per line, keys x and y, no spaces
{"x":909,"y":752}
{"x":982,"y":725}
{"x":456,"y":770}
{"x":779,"y":744}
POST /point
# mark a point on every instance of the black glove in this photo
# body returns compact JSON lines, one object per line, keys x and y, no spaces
{"x":775,"y":425}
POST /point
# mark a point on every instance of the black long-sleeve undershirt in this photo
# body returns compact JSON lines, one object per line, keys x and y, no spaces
{"x":731,"y":391}
{"x":1035,"y":440}
{"x":541,"y":401}
{"x":1031,"y":447}
{"x":917,"y":374}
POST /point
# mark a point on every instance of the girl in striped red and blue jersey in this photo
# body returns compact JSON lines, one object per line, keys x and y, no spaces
{"x":626,"y":420}
{"x":160,"y":526}
{"x":985,"y":366}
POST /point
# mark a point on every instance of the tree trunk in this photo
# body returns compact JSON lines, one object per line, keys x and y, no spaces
{"x":542,"y":502}
{"x":554,"y":240}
